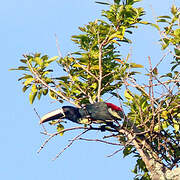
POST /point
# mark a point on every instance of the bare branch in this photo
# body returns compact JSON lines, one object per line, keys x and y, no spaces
{"x":58,"y":46}
{"x":101,"y":44}
{"x":115,"y":152}
{"x":99,"y":140}
{"x":162,"y":83}
{"x":72,"y":141}
{"x":100,"y":72}
{"x":109,"y":136}
{"x":161,"y":60}
{"x":55,"y":134}
{"x":68,"y":129}
{"x":39,"y":119}
{"x":151,"y":92}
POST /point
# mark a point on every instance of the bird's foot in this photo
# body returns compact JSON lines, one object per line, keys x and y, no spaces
{"x":109,"y":124}
{"x":103,"y":128}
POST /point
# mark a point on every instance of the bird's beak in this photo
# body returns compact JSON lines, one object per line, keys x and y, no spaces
{"x":56,"y":114}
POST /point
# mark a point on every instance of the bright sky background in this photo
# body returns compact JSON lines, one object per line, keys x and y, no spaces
{"x":29,"y":26}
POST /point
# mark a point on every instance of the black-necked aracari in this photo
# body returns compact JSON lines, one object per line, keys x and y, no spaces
{"x":99,"y":112}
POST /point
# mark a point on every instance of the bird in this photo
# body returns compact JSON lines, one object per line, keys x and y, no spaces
{"x":100,"y":112}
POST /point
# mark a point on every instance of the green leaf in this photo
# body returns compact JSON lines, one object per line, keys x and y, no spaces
{"x":177,"y":33}
{"x":98,"y":2}
{"x":59,"y":128}
{"x":45,"y":72}
{"x":177,"y":51}
{"x":23,"y":61}
{"x":155,"y":71}
{"x":165,"y":124}
{"x":128,"y":95}
{"x":37,"y":55}
{"x":168,"y":17}
{"x":134,"y":65}
{"x":167,"y":75}
{"x":157,"y":127}
{"x":25,"y":88}
{"x":25,"y":77}
{"x":77,"y":65}
{"x":144,"y":22}
{"x":28,"y":81}
{"x":19,"y":68}
{"x":95,"y":67}
{"x":52,"y":95}
{"x":22,"y":68}
{"x":76,"y":91}
{"x":52,"y":59}
{"x":34,"y":88}
{"x":94,"y":85}
{"x":164,"y":115}
{"x":117,"y":1}
{"x":32,"y":97}
{"x":174,"y":9}
{"x":54,"y":122}
{"x":127,"y":150}
{"x":156,"y":26}
{"x":38,"y":60}
{"x":174,"y":67}
{"x":117,"y":35}
{"x":40,"y":93}
{"x":176,"y":125}
{"x":45,"y":91}
{"x":162,"y":20}
{"x":144,"y":105}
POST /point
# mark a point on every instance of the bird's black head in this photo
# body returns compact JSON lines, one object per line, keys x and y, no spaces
{"x":66,"y":112}
{"x":71,"y":113}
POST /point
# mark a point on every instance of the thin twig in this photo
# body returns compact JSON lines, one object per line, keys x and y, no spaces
{"x":69,"y":129}
{"x":115,"y":152}
{"x":58,"y":46}
{"x":55,"y":134}
{"x":99,"y":140}
{"x":39,"y":119}
{"x":101,"y":44}
{"x":161,"y":60}
{"x":100,"y":72}
{"x":176,"y":82}
{"x":72,"y":141}
{"x":161,"y":83}
{"x":151,"y":93}
{"x":109,"y":136}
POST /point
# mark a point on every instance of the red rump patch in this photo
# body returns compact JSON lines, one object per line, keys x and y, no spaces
{"x":114,"y":107}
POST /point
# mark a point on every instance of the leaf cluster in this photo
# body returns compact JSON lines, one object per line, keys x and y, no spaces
{"x":85,"y":77}
{"x":170,"y":33}
{"x":39,"y":64}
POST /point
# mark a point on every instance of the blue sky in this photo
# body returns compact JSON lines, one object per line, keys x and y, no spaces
{"x":29,"y":26}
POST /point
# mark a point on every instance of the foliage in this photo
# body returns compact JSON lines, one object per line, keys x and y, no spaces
{"x":171,"y":34}
{"x":100,"y":40}
{"x":99,"y":69}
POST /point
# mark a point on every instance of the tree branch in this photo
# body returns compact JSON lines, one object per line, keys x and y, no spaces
{"x":60,"y":94}
{"x":55,"y":134}
{"x":151,"y":93}
{"x":99,"y":140}
{"x":100,"y":72}
{"x":72,"y":141}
